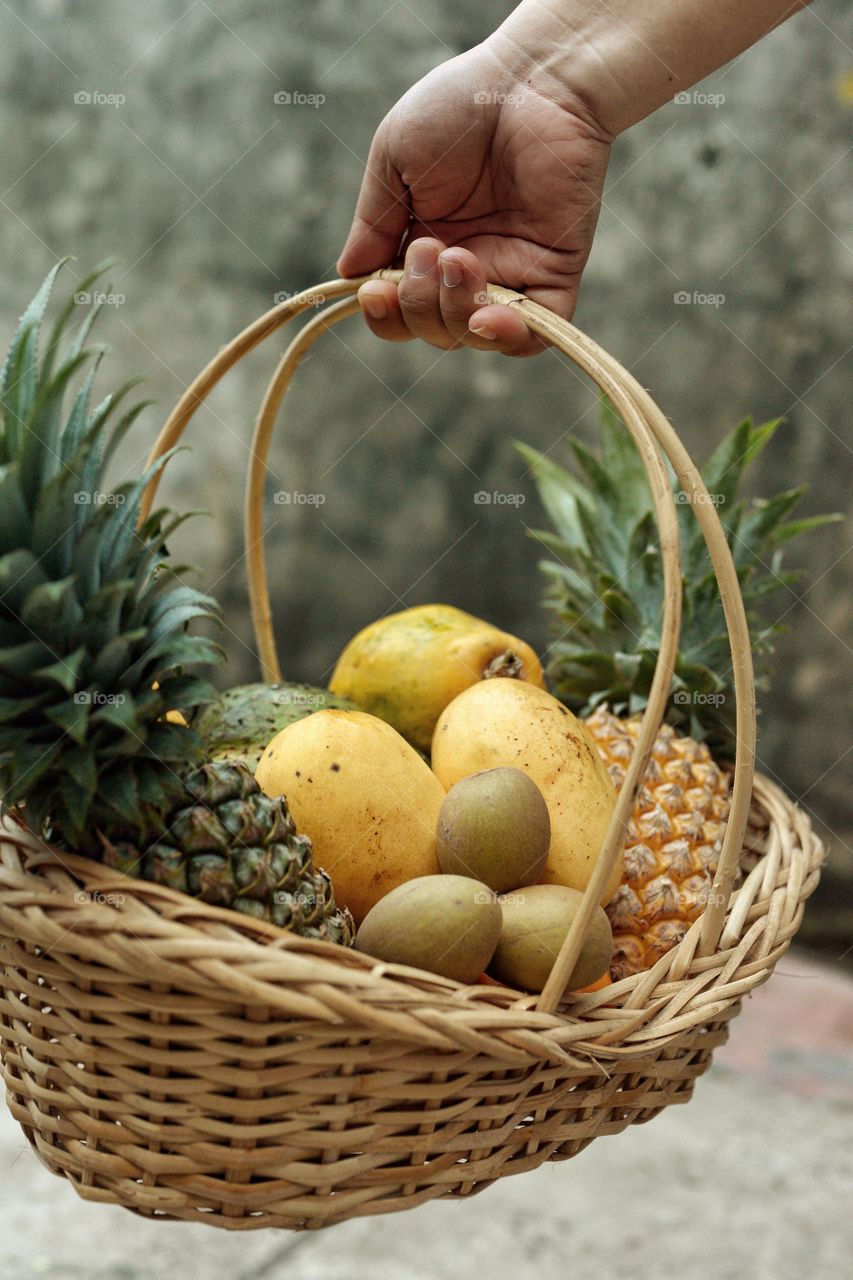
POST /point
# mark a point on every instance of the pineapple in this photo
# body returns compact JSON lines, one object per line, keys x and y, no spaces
{"x":233,"y":846}
{"x":605,"y":590}
{"x":673,"y":841}
{"x":94,"y":651}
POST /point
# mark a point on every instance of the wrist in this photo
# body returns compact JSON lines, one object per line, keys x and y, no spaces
{"x":622,"y":60}
{"x":555,"y":48}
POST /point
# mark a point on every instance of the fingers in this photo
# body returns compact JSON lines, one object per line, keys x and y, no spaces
{"x":419,"y":293}
{"x":511,"y":335}
{"x":441,"y":299}
{"x":381,"y":309}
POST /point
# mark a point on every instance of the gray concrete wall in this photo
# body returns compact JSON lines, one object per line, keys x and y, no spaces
{"x":215,"y":198}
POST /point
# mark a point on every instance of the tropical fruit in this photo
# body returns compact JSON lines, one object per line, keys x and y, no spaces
{"x":445,"y":924}
{"x":495,"y":827}
{"x":509,"y":723}
{"x":536,"y":921}
{"x":95,"y":750}
{"x":232,"y":846}
{"x":239,"y":723}
{"x":605,"y":592}
{"x":673,"y":841}
{"x":368,"y":799}
{"x":406,"y":667}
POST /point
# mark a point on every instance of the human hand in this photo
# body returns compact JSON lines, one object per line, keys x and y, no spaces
{"x":475,"y":176}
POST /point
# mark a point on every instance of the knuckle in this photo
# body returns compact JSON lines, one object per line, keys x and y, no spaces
{"x":456,"y":314}
{"x":415,"y":304}
{"x":457,"y":309}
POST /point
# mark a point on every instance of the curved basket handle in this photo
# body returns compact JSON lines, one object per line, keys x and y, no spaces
{"x":651,"y":432}
{"x":253,"y":510}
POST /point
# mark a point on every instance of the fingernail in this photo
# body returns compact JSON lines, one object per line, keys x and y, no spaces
{"x":374,"y":305}
{"x":421,"y":259}
{"x":483,"y":331}
{"x":451,"y":272}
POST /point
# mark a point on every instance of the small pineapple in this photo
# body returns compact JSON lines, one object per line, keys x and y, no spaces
{"x":94,"y":658}
{"x":605,"y":590}
{"x":233,"y":846}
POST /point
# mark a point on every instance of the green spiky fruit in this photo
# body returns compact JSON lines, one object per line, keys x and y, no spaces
{"x":231,"y":845}
{"x":95,"y":649}
{"x":240,"y":723}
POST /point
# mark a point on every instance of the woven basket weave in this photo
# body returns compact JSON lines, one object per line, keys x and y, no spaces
{"x":187,"y":1062}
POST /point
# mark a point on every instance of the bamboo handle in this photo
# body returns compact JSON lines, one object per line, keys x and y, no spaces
{"x":652,"y":434}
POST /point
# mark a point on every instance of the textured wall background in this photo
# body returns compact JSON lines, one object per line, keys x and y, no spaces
{"x":215,"y":198}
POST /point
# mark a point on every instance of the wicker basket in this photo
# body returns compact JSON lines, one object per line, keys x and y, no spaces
{"x":189,"y":1063}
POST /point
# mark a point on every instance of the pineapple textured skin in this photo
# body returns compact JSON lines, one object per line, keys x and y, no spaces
{"x":232,"y":846}
{"x":673,"y":841}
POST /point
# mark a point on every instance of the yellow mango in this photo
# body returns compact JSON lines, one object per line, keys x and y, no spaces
{"x":510,"y":723}
{"x":406,"y":667}
{"x":365,"y":797}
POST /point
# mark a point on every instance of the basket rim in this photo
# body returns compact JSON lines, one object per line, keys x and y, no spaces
{"x":66,"y":907}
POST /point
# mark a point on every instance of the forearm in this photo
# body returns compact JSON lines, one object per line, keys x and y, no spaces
{"x":625,"y":58}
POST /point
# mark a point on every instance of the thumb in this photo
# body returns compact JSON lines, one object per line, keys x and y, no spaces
{"x":381,"y":217}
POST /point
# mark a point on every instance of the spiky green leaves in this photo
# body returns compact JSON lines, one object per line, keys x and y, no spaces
{"x":92,"y":614}
{"x":605,"y":578}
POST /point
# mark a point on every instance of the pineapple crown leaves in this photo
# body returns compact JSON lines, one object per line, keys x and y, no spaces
{"x":605,"y":576}
{"x":92,"y":614}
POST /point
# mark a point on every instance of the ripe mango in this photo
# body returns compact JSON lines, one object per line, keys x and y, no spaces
{"x":366,"y":798}
{"x":445,"y":924}
{"x":536,"y":921}
{"x":509,"y":722}
{"x":406,"y":667}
